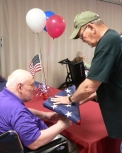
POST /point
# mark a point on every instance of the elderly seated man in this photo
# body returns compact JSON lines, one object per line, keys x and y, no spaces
{"x":28,"y":123}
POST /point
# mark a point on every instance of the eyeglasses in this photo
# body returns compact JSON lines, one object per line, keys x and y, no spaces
{"x":81,"y":35}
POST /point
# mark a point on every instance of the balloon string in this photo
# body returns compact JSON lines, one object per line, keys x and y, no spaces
{"x":43,"y":74}
{"x":48,"y":55}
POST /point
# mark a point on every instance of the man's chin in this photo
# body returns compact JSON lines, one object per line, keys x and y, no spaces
{"x":26,"y":100}
{"x":88,"y":44}
{"x":92,"y":45}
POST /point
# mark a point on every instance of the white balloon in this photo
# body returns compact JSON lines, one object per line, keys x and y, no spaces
{"x":36,"y":20}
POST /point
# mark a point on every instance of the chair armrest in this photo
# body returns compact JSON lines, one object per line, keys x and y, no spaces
{"x":4,"y":134}
{"x":48,"y":146}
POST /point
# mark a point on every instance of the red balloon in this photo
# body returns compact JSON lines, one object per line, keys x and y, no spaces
{"x":55,"y":26}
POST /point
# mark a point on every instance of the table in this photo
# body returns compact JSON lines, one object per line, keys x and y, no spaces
{"x":91,"y":136}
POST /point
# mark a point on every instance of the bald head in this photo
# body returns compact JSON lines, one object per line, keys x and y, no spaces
{"x":21,"y":83}
{"x":18,"y":76}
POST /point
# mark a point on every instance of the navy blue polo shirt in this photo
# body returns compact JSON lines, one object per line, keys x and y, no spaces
{"x":15,"y":116}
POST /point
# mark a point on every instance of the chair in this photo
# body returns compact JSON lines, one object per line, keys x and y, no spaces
{"x":68,"y":81}
{"x":10,"y":143}
{"x":75,"y":73}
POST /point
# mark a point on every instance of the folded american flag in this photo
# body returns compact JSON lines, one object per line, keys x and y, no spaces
{"x":70,"y":111}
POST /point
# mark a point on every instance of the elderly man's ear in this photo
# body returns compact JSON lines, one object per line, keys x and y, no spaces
{"x":92,"y":27}
{"x":19,"y":87}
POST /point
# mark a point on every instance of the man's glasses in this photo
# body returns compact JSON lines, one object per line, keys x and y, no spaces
{"x":81,"y":35}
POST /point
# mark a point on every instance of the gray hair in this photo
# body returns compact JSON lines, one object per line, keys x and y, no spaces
{"x":98,"y":21}
{"x":79,"y":54}
{"x":18,"y":76}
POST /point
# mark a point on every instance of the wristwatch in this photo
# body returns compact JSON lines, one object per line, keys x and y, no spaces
{"x":70,"y":99}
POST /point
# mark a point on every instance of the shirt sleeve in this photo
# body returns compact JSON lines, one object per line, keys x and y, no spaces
{"x":101,"y":68}
{"x":27,"y":125}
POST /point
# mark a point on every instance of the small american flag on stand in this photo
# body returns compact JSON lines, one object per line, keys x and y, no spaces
{"x":35,"y":65}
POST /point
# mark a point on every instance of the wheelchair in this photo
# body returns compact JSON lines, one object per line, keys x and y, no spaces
{"x":75,"y":73}
{"x":11,"y":143}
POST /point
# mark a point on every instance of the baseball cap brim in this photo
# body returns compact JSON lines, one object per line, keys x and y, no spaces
{"x":74,"y":35}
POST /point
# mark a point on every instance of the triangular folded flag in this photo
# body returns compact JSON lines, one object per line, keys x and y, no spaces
{"x":70,"y":111}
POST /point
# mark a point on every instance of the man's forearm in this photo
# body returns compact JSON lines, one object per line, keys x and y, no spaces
{"x":91,"y":97}
{"x":85,"y":90}
{"x":38,"y":113}
{"x":82,"y":93}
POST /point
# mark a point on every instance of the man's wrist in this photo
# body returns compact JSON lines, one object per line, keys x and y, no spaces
{"x":70,"y":99}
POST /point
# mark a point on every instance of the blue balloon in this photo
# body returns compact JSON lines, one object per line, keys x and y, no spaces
{"x":48,"y":15}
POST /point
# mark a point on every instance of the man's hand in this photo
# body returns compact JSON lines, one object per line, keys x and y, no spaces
{"x":64,"y":121}
{"x":52,"y":116}
{"x":61,"y":99}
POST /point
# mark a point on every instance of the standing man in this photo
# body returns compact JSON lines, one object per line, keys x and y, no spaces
{"x":105,"y":75}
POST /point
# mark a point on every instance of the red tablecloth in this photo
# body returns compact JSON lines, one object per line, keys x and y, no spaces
{"x":91,"y":136}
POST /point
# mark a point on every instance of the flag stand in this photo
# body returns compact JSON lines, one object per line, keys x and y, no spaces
{"x":43,"y":73}
{"x":45,"y":95}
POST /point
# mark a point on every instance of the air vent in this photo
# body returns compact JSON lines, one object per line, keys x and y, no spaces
{"x":118,"y":2}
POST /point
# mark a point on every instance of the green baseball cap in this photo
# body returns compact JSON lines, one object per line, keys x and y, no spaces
{"x":82,"y":19}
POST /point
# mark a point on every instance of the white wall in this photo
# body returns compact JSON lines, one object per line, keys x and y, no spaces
{"x":21,"y":45}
